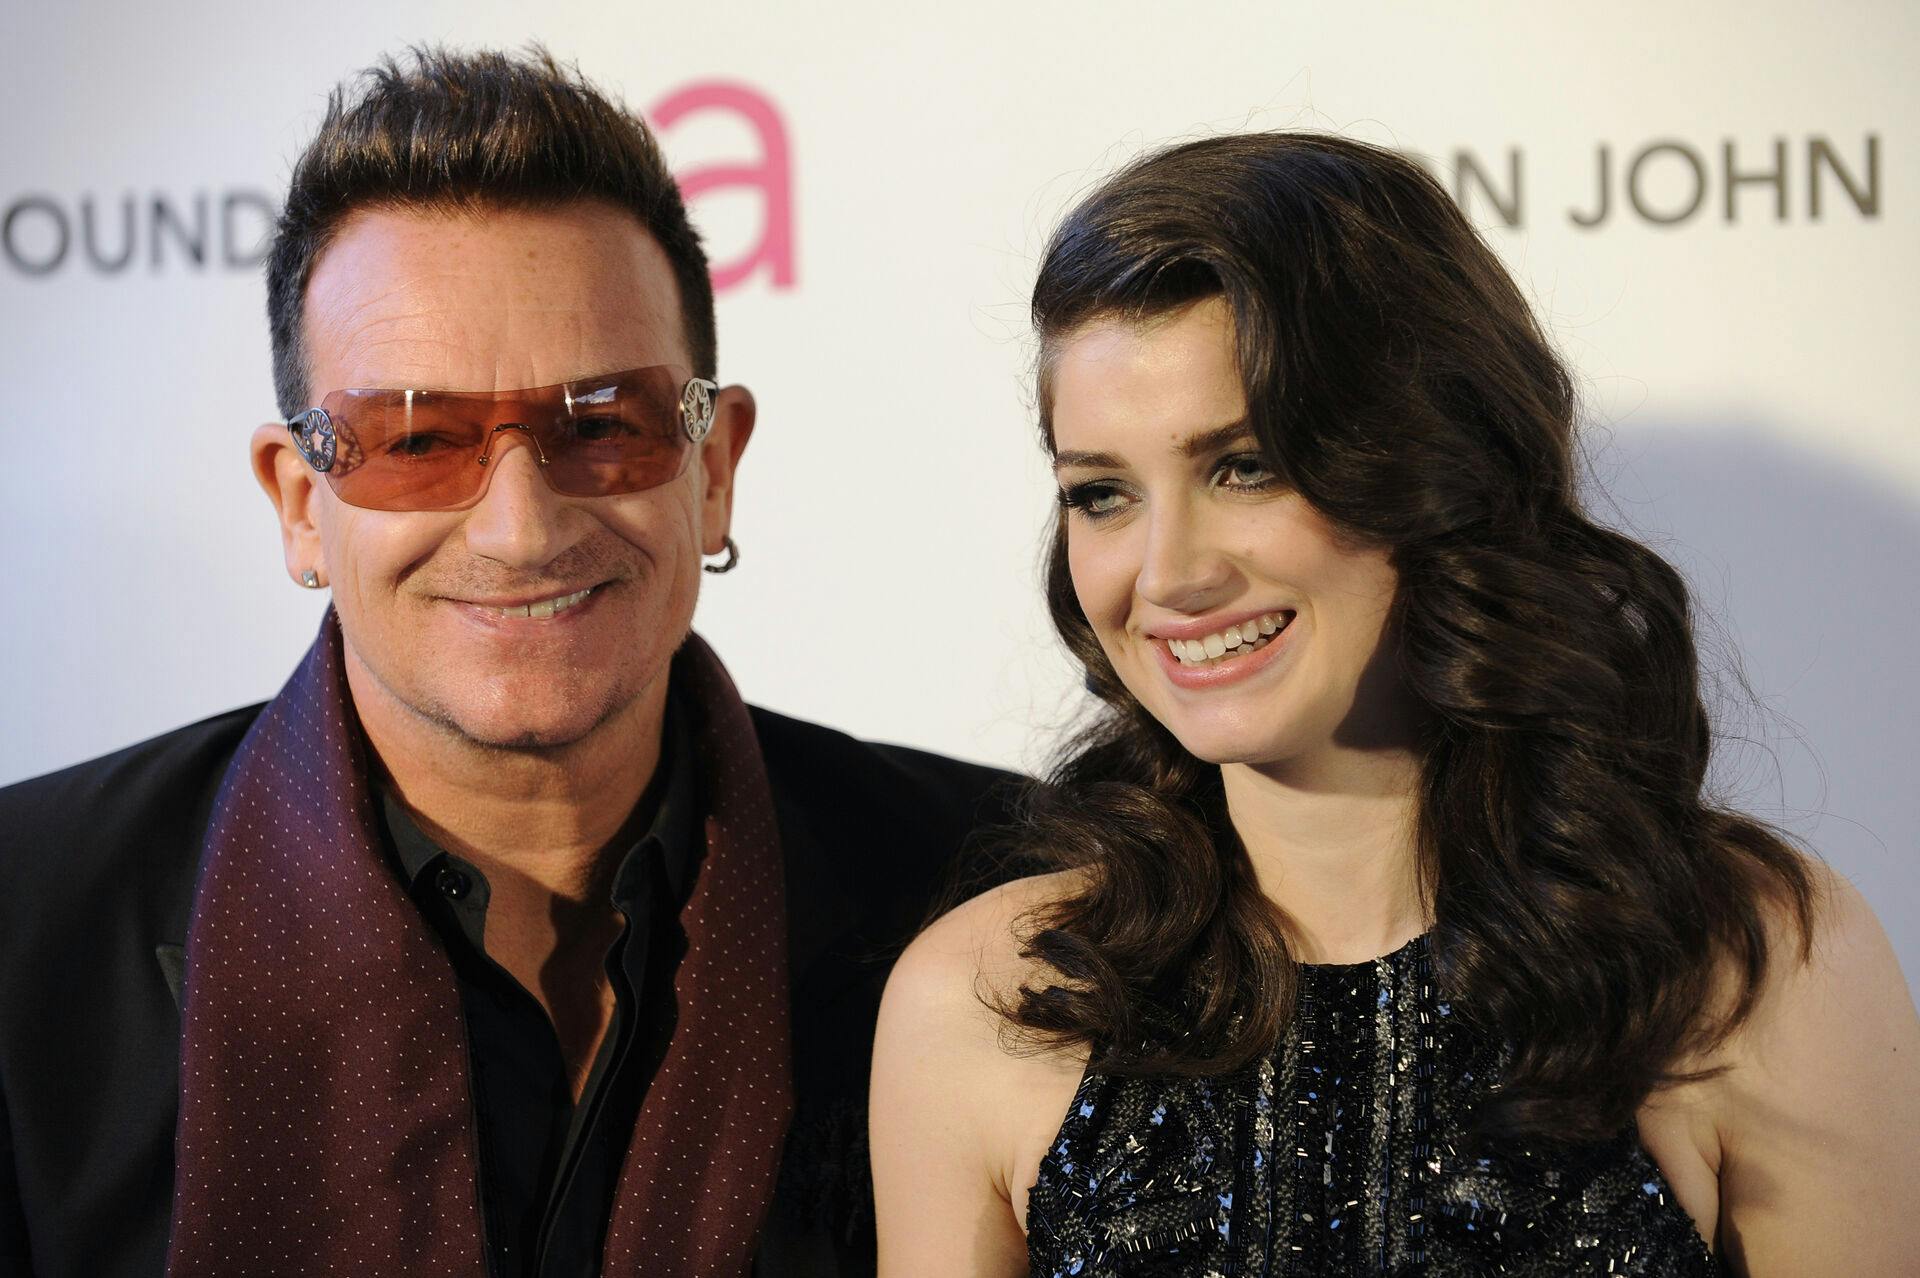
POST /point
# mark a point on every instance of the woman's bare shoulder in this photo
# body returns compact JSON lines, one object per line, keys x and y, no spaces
{"x":1835,"y":960}
{"x":974,"y":953}
{"x":1819,"y":1101}
{"x":962,"y":1106}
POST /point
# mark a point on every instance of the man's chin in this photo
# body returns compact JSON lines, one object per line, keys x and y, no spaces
{"x":528,"y":733}
{"x":526,"y":723}
{"x":521,"y":712}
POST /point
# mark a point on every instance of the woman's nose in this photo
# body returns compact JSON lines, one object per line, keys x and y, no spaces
{"x":1184,"y":566}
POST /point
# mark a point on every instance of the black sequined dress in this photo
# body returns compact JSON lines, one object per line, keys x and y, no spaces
{"x":1336,"y":1155}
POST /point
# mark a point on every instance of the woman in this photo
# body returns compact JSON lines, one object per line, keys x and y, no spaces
{"x":1391,"y":930}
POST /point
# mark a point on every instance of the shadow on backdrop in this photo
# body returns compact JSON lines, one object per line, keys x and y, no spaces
{"x":1802,"y":568}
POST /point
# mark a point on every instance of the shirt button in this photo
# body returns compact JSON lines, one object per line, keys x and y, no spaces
{"x":453,"y":884}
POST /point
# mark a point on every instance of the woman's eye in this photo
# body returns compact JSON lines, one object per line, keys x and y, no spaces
{"x":1093,"y":500}
{"x":1246,"y":471}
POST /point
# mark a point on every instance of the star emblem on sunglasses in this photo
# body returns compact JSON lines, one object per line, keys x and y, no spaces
{"x":696,"y":408}
{"x":313,"y":436}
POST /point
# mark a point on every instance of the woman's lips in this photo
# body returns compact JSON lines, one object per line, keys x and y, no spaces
{"x":1225,"y":670}
{"x":1193,"y":642}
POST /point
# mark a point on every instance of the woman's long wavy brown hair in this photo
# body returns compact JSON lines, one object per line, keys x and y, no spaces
{"x":1588,"y":896}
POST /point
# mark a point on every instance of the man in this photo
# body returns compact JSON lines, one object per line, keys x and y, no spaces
{"x":506,"y":939}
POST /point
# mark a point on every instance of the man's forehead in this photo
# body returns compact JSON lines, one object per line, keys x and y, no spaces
{"x":490,"y":298}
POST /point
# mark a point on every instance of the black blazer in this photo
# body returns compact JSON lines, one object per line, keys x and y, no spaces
{"x":97,"y":871}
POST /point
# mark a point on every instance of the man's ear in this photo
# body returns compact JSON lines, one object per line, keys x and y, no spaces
{"x":733,"y":417}
{"x":291,"y":485}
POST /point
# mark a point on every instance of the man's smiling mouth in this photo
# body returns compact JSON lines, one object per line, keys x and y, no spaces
{"x":544,"y":607}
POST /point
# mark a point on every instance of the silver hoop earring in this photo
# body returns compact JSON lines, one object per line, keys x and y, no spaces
{"x":733,"y":559}
{"x":310,"y":579}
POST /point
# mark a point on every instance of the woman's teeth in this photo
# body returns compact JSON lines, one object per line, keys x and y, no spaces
{"x":1234,"y":641}
{"x":547,"y":607}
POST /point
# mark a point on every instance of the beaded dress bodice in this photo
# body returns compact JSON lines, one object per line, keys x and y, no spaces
{"x":1336,"y":1154}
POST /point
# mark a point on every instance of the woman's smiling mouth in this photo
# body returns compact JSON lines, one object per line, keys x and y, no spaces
{"x":1227,"y":654}
{"x":1229,"y":642}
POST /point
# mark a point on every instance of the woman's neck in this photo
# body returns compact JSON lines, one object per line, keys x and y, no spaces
{"x":1334,"y":846}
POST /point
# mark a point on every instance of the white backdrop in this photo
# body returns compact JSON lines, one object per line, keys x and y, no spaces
{"x":1745,"y":345}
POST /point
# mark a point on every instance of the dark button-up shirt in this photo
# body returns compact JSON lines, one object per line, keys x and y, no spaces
{"x":549,"y":1168}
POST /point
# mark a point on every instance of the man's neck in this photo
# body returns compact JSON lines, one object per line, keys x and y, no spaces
{"x":543,"y":817}
{"x":1333,"y":844}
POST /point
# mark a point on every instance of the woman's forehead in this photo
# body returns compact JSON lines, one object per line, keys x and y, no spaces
{"x":1152,"y":386}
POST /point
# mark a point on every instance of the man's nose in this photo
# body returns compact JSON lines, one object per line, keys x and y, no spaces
{"x":1184,"y":565}
{"x":517,"y":520}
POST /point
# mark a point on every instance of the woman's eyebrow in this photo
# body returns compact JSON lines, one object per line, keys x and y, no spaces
{"x":1210,"y":441}
{"x":1093,"y":461}
{"x":1207,"y":441}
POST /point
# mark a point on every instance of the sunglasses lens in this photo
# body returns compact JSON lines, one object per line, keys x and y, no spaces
{"x":422,"y":450}
{"x":406,"y":450}
{"x":621,"y":434}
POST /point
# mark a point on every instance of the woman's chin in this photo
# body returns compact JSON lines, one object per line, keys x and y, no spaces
{"x":1227,"y":748}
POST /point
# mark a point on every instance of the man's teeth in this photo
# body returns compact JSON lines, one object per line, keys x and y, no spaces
{"x":546,"y":607}
{"x":1234,"y":641}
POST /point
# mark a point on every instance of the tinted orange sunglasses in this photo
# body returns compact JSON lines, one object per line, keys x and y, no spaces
{"x":429,"y":450}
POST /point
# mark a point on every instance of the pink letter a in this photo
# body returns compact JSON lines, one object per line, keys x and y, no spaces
{"x":773,"y":175}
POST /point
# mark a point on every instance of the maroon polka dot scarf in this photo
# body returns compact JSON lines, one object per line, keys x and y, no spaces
{"x":325,"y":1117}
